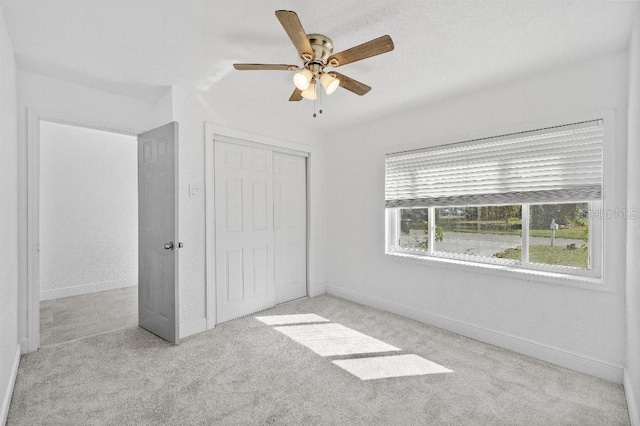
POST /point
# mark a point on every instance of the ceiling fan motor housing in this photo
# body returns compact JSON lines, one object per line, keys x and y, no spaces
{"x":322,"y":47}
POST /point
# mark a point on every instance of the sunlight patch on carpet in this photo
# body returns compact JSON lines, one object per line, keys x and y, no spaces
{"x":390,"y":366}
{"x":334,"y":339}
{"x":291,"y":319}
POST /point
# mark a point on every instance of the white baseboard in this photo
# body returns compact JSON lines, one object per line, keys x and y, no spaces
{"x":24,"y":345}
{"x":8,"y":392}
{"x":78,"y":290}
{"x":317,"y":290}
{"x":634,"y":413}
{"x":193,"y":327}
{"x":558,"y":356}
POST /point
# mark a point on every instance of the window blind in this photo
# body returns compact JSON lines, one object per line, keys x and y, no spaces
{"x":559,"y":164}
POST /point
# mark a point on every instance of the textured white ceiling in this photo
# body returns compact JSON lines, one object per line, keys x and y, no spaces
{"x":443,"y":48}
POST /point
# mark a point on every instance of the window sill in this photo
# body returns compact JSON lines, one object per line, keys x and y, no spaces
{"x":507,"y":271}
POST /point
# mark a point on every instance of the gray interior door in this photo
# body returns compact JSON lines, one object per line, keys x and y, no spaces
{"x":158,"y":231}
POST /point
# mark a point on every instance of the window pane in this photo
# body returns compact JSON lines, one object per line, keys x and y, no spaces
{"x":487,"y":231}
{"x":414,"y":227}
{"x":559,"y":234}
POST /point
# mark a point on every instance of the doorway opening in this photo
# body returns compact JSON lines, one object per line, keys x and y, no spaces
{"x":88,"y":231}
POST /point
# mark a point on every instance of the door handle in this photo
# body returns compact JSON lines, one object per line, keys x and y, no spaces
{"x":170,"y":246}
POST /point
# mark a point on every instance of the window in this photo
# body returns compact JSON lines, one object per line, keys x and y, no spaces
{"x":524,"y":200}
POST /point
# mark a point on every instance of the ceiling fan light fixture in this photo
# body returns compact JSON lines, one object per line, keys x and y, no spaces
{"x":329,"y":82}
{"x":310,"y":92}
{"x":302,"y":79}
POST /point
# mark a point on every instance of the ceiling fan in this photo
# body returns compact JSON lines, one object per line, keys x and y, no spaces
{"x":316,"y":50}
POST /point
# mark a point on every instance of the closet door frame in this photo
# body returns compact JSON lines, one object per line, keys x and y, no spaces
{"x":215,"y":133}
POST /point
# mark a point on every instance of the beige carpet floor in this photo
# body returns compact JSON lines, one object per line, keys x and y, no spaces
{"x":248,"y":372}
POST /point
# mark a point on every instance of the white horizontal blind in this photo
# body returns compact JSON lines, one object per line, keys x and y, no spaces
{"x":549,"y":165}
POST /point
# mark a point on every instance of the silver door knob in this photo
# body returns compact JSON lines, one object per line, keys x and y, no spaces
{"x":169,"y":246}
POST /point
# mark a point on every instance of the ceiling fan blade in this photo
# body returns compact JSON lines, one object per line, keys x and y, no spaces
{"x":296,"y":95}
{"x":351,"y":84}
{"x":268,"y":67}
{"x":293,"y":27}
{"x":366,"y":50}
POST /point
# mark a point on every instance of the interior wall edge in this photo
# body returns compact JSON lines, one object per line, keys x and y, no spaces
{"x":193,"y":327}
{"x":8,"y":393}
{"x":24,"y":345}
{"x":634,"y":414}
{"x":581,"y":363}
{"x":632,"y":288}
{"x":317,"y":289}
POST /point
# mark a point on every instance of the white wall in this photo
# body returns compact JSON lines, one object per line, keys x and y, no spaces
{"x":632,"y":378}
{"x":572,"y":326}
{"x":192,"y":110}
{"x":88,"y":210}
{"x":8,"y":219}
{"x":79,"y":103}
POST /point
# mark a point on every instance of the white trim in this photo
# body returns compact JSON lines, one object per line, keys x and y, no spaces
{"x":558,"y":356}
{"x":71,"y":120}
{"x":602,"y":276}
{"x":524,"y":234}
{"x":57,"y":293}
{"x":24,"y":345}
{"x":8,"y":392}
{"x":213,"y":133}
{"x":506,"y":270}
{"x":193,"y":327}
{"x":317,"y":290}
{"x":280,"y":145}
{"x":33,"y":230}
{"x":258,"y":145}
{"x":34,"y":116}
{"x":634,"y":410}
{"x":307,"y":238}
{"x":210,"y":230}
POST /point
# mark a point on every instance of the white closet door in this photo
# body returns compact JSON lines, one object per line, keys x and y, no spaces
{"x":290,"y":226}
{"x":244,"y":230}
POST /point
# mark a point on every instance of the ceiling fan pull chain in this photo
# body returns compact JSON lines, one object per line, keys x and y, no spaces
{"x":321,"y":98}
{"x":314,"y":100}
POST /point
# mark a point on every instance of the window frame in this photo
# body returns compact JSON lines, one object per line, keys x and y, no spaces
{"x":594,"y":242}
{"x":604,"y":251}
